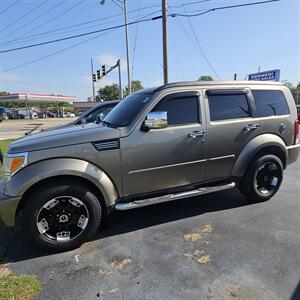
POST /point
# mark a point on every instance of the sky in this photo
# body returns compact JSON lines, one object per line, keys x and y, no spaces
{"x":220,"y":43}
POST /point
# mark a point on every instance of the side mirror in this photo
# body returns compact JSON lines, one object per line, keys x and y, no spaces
{"x":156,"y":120}
{"x":83,"y":120}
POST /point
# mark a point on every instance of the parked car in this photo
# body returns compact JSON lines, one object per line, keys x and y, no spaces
{"x":96,"y":113}
{"x":175,"y":141}
{"x":12,"y":114}
{"x":3,"y":114}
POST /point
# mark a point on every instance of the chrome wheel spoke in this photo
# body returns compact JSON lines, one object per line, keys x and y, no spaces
{"x":63,"y":236}
{"x":43,"y":226}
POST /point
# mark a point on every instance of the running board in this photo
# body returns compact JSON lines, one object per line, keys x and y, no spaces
{"x":171,"y":197}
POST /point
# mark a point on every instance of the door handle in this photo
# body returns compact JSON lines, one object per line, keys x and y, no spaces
{"x":250,"y":127}
{"x":196,"y":134}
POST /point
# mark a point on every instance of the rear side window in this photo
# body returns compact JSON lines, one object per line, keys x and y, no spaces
{"x":224,"y":107}
{"x":181,"y":110}
{"x":270,"y":103}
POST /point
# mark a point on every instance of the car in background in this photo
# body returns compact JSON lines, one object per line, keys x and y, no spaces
{"x":298,"y":111}
{"x":95,"y":114}
{"x":3,"y":114}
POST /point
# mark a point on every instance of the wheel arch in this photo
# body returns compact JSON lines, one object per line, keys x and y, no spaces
{"x":58,"y":179}
{"x":261,"y":145}
{"x":37,"y":174}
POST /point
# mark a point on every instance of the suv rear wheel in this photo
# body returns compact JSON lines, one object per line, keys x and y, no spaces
{"x":61,"y":216}
{"x":262,"y":178}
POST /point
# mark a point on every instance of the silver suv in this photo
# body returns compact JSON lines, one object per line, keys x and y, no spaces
{"x":162,"y":144}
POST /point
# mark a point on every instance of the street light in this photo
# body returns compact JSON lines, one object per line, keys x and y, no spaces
{"x":123,"y":5}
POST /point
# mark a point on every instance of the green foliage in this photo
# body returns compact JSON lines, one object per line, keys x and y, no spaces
{"x":295,"y":90}
{"x":136,"y":85}
{"x":38,"y":105}
{"x":205,"y":78}
{"x":109,"y":92}
{"x":3,"y":148}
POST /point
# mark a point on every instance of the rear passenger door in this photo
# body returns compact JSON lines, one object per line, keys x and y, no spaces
{"x":231,"y":123}
{"x":274,"y":114}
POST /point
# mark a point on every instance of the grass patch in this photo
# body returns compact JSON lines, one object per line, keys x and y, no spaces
{"x":23,"y":287}
{"x":4,"y":144}
{"x":3,"y":147}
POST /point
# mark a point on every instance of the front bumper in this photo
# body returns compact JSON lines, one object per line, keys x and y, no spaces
{"x":293,"y":153}
{"x":8,"y":208}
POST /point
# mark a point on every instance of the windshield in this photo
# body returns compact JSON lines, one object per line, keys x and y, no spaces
{"x":127,"y":110}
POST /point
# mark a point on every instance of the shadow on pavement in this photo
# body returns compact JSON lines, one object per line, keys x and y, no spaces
{"x":18,"y":248}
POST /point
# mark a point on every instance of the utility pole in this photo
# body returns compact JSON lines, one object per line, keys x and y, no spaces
{"x":165,"y":41}
{"x":93,"y":83}
{"x":120,"y":79}
{"x":127,"y":47}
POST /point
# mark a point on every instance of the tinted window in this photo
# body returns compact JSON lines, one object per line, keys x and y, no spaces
{"x":270,"y":103}
{"x":128,"y":109}
{"x":223,"y":107}
{"x":182,"y":110}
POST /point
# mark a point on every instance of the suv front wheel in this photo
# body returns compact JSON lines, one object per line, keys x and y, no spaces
{"x":262,"y":178}
{"x":61,"y":216}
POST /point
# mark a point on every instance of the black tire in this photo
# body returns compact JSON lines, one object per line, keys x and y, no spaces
{"x":62,"y":215}
{"x":252,"y":184}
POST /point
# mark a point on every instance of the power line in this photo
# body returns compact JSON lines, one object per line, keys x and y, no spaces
{"x":57,"y":52}
{"x":189,"y":3}
{"x":25,"y":15}
{"x":226,"y":7}
{"x":56,"y":17}
{"x":10,"y":6}
{"x":54,"y":53}
{"x":36,"y":18}
{"x":79,"y":35}
{"x":75,"y":25}
{"x":201,"y":48}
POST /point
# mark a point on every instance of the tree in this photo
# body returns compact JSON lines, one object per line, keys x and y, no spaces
{"x":205,"y":78}
{"x":109,"y":92}
{"x":294,"y":90}
{"x":136,"y":85}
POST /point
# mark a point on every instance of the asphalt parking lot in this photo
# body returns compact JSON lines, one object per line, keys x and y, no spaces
{"x":13,"y":129}
{"x":217,"y":246}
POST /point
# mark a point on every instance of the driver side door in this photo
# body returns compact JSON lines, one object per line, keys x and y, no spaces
{"x":171,"y":157}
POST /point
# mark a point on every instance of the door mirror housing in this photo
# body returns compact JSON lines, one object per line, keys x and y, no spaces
{"x":156,"y":120}
{"x":83,"y":120}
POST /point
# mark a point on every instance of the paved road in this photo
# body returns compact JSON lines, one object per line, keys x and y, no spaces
{"x":13,"y":129}
{"x":240,"y":251}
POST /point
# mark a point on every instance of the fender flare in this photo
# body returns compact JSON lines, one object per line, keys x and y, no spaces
{"x":253,"y":147}
{"x":46,"y":169}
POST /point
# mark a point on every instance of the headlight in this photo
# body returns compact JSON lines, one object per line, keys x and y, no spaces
{"x":13,"y":163}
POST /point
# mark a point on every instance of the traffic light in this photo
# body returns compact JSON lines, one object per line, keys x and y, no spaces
{"x":94,"y":78}
{"x":103,"y":70}
{"x":98,"y":74}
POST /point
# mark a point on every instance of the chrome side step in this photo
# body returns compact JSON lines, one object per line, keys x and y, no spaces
{"x":171,"y":197}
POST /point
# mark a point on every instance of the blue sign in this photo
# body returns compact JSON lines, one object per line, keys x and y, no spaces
{"x":266,"y":75}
